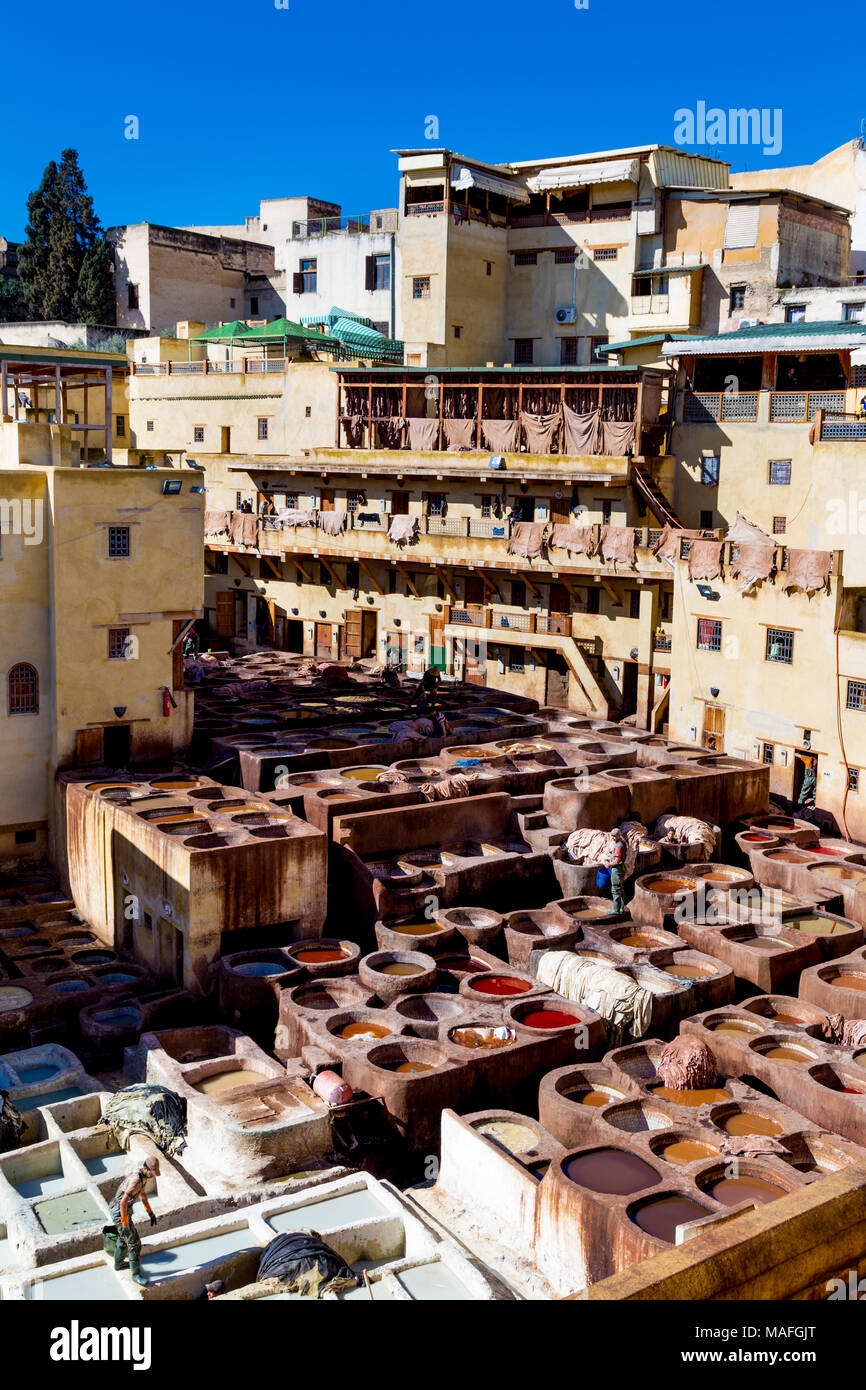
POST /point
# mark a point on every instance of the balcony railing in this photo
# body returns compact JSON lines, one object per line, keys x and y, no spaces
{"x":705,"y":406}
{"x":795,"y":407}
{"x":204,"y":367}
{"x":325,"y":226}
{"x":842,"y":427}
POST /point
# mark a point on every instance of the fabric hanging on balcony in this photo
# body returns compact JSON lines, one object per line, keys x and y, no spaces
{"x":354,"y":427}
{"x":667,"y":547}
{"x":808,"y":570}
{"x":755,"y":561}
{"x":423,"y":433}
{"x":501,"y":436}
{"x":540,"y":431}
{"x":617,"y":543}
{"x":744,"y":530}
{"x":527,"y":539}
{"x":705,"y":560}
{"x":296,"y":516}
{"x":459,"y":403}
{"x":391,"y":432}
{"x":459,"y":434}
{"x":332,"y":523}
{"x":243,"y":529}
{"x":356,"y":400}
{"x":617,"y":437}
{"x":215,"y":523}
{"x":577,"y":539}
{"x":581,"y":431}
{"x":403,"y":529}
{"x":500,"y":402}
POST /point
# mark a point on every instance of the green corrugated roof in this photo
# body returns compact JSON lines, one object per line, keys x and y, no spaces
{"x":286,"y":328}
{"x":644,"y":342}
{"x":790,"y":330}
{"x":462,"y":372}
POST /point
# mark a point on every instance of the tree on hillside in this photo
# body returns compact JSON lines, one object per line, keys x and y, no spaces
{"x":65,"y":265}
{"x":12,"y":306}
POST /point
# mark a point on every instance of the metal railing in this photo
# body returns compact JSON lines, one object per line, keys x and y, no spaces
{"x":842,"y":427}
{"x":705,"y":406}
{"x":424,"y":209}
{"x":324,"y":226}
{"x":798,"y":407}
{"x":556,"y":624}
{"x":238,"y":367}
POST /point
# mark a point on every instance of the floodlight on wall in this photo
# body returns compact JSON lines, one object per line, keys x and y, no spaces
{"x":171,"y":487}
{"x":120,"y":710}
{"x":706,"y":592}
{"x":714,"y":691}
{"x":295,"y":611}
{"x":633,"y":654}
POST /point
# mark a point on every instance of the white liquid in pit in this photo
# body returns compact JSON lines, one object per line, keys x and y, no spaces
{"x":432,"y":1282}
{"x":158,"y":1263}
{"x":109,"y":1164}
{"x":60,"y":1214}
{"x":332,"y":1212}
{"x":99,"y":1284}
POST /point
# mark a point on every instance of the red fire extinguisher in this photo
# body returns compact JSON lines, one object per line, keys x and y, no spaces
{"x":166,"y":703}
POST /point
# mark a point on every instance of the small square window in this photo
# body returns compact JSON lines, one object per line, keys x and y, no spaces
{"x":517,"y":659}
{"x":780,"y":645}
{"x":706,"y":521}
{"x":118,"y":643}
{"x":523,"y":348}
{"x":854,"y":313}
{"x":780,"y":525}
{"x":709,"y":635}
{"x":198,"y":434}
{"x":120,"y":426}
{"x":795,"y":313}
{"x":149,"y":427}
{"x":769,"y":753}
{"x":853,"y":779}
{"x":118,"y":543}
{"x":526,"y":258}
{"x":262,"y":427}
{"x":568,"y":352}
{"x":421,"y":287}
{"x":780,"y":472}
{"x":604,"y":253}
{"x":456,"y":328}
{"x":856,"y":696}
{"x":710,"y":466}
{"x":738,"y":297}
{"x":564,"y":255}
{"x":308,"y":411}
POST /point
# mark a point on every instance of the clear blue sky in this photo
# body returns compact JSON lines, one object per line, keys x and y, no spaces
{"x":242,"y":101}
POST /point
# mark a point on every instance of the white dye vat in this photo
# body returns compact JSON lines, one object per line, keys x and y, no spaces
{"x":60,"y":1214}
{"x":110,"y":1163}
{"x":433,"y":1281}
{"x":96,"y":1285}
{"x":47,"y":1098}
{"x":156,"y":1264}
{"x":381,"y":1289}
{"x":343,"y":1210}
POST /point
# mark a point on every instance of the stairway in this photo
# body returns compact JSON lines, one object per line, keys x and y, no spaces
{"x":650,"y":493}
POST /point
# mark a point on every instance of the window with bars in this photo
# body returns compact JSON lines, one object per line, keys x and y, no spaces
{"x":262,"y":427}
{"x":780,"y":645}
{"x":517,"y":659}
{"x":853,"y":779}
{"x":487,"y":506}
{"x":118,"y":639}
{"x":769,"y":753}
{"x":780,"y":525}
{"x":421,"y":287}
{"x":604,"y":253}
{"x":198,"y":434}
{"x":120,"y":426}
{"x":522,"y":351}
{"x":436,"y":504}
{"x":854,"y":313}
{"x":526,"y":258}
{"x":119,"y":543}
{"x":738,"y":297}
{"x":23,"y":689}
{"x":710,"y":465}
{"x":564,"y":255}
{"x":858,"y":374}
{"x":856,"y":695}
{"x":354,"y":500}
{"x":568,"y":352}
{"x":795,"y":313}
{"x":709,"y":635}
{"x":149,"y":425}
{"x":780,"y":472}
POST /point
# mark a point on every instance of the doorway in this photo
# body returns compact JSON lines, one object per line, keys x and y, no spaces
{"x":556,"y":681}
{"x":326,"y":502}
{"x":324,"y":641}
{"x":629,"y":688}
{"x":437,"y":643}
{"x":713,"y":736}
{"x":559,"y":510}
{"x":399,"y":504}
{"x":225,"y":439}
{"x":294,"y":635}
{"x":805,"y":761}
{"x":474,"y":587}
{"x":116,"y":745}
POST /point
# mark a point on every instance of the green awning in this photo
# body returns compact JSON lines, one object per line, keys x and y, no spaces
{"x":286,"y":329}
{"x":235,"y":329}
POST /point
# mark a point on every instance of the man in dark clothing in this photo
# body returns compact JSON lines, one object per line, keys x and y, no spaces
{"x":809,"y":785}
{"x":616,"y":864}
{"x":128,"y":1248}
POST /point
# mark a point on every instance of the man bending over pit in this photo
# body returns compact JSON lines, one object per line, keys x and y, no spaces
{"x":128,"y":1248}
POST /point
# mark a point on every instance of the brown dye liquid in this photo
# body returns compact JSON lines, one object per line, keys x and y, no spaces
{"x":319,"y":955}
{"x":788,"y":856}
{"x":420,"y":928}
{"x":364,"y":1031}
{"x":410,"y":1068}
{"x":480,"y":1037}
{"x":735,"y":1026}
{"x":230,"y":1081}
{"x":819,"y":926}
{"x":745,"y":1189}
{"x":361,"y":774}
{"x":179,"y":816}
{"x":849,"y":982}
{"x":638,"y":940}
{"x":691,"y":1097}
{"x":720,"y":876}
{"x":661,"y":1218}
{"x":401,"y":968}
{"x":687,"y":972}
{"x":765,"y":943}
{"x":788,"y":1054}
{"x":611,"y":1171}
{"x":669,"y":885}
{"x":742,"y":1123}
{"x":595,"y":1098}
{"x":789,"y":1018}
{"x":684,"y":1151}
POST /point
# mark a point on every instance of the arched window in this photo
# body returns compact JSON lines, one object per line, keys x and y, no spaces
{"x":23,"y":689}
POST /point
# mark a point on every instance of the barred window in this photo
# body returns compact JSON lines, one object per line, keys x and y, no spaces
{"x":526,"y":258}
{"x":780,"y":472}
{"x":604,"y":253}
{"x":23,"y":687}
{"x":118,"y":637}
{"x":563,"y":255}
{"x":853,"y":779}
{"x":780,"y":645}
{"x":769,"y":752}
{"x":262,"y":427}
{"x":856,"y":697}
{"x":118,"y":543}
{"x":436,"y":504}
{"x":198,"y":434}
{"x":780,"y":525}
{"x":353,"y":501}
{"x":421,"y":287}
{"x":517,"y":659}
{"x":709,"y":635}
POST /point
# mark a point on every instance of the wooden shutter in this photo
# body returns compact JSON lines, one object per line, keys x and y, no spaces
{"x":88,"y":746}
{"x":354,"y":632}
{"x":225,"y":613}
{"x":177,"y":627}
{"x":298,"y":282}
{"x":370,"y":273}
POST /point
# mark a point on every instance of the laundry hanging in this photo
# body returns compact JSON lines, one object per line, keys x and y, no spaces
{"x":540,"y":431}
{"x":617,"y":543}
{"x":617,"y":437}
{"x":501,"y":436}
{"x":705,"y":560}
{"x":581,"y":430}
{"x":527,"y":539}
{"x":423,"y":433}
{"x":459,"y":434}
{"x":577,"y":539}
{"x":808,"y":570}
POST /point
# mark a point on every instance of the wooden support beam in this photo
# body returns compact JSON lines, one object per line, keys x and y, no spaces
{"x":492,"y":588}
{"x":410,"y":584}
{"x":610,"y":591}
{"x":299,"y":567}
{"x":528,"y":582}
{"x":274,"y":565}
{"x":371,"y":576}
{"x":447,"y":586}
{"x":331,"y":571}
{"x":242,"y":561}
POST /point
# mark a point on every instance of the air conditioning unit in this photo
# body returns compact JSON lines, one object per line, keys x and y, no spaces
{"x":568,"y":315}
{"x":749,"y":323}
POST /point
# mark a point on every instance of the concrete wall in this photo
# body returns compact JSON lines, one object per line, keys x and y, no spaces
{"x":340,"y":269}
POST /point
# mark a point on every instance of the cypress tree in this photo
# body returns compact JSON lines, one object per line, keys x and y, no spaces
{"x":65,"y":265}
{"x":94,"y":297}
{"x":34,"y":253}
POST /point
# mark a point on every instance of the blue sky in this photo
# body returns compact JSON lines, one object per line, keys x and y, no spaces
{"x":241,"y":101}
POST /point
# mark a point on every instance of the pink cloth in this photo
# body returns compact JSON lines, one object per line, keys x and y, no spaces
{"x":617,"y":437}
{"x":332,"y":523}
{"x":423,"y":433}
{"x":582,"y":433}
{"x":501,"y":436}
{"x":459,"y":434}
{"x":527,"y":539}
{"x":578,"y":539}
{"x":540,"y":431}
{"x":617,"y":543}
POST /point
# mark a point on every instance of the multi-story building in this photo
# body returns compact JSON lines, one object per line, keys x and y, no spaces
{"x":101,"y":572}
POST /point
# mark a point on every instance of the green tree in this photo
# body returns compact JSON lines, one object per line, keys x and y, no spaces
{"x":65,"y":265}
{"x":12,"y":305}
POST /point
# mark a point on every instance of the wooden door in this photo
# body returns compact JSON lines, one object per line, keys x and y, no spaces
{"x":225,"y":613}
{"x":437,"y":643}
{"x":399,"y":504}
{"x":397,"y":646}
{"x":324,"y":642}
{"x":88,"y":746}
{"x":474,"y":670}
{"x":713,"y":736}
{"x":556,"y":682}
{"x":560,"y":599}
{"x":559,"y":509}
{"x":226,"y":439}
{"x":354,"y":633}
{"x":474,"y":589}
{"x":326,"y":503}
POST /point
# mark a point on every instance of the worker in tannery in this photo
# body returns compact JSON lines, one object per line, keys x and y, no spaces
{"x":616,"y":862}
{"x":133,"y":1188}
